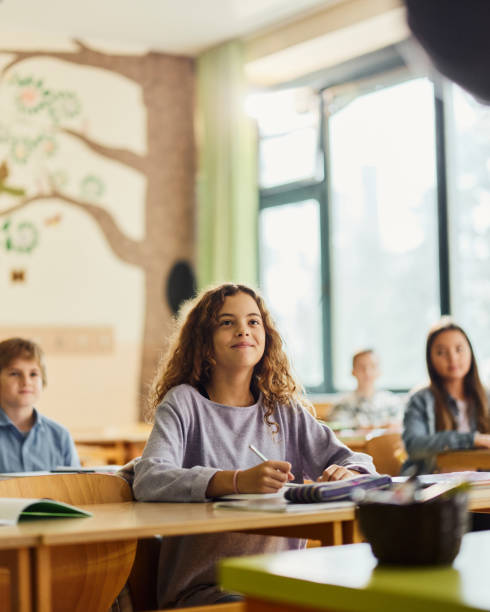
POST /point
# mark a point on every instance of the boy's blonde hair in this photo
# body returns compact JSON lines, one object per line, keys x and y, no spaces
{"x":361,"y":353}
{"x":190,"y":357}
{"x":15,"y":348}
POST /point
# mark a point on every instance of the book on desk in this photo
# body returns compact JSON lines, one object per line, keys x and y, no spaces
{"x":14,"y":509}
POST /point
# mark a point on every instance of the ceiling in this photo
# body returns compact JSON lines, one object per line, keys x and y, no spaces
{"x":182,"y":27}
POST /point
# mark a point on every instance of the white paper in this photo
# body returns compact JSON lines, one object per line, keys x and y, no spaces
{"x":278,"y":505}
{"x":12,"y":507}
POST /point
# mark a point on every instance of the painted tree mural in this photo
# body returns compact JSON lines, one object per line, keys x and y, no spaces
{"x":52,"y":118}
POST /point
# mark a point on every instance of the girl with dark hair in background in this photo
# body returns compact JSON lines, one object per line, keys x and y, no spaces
{"x":453,"y":411}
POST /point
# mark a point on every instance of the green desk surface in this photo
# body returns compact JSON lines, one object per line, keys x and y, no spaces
{"x":348,"y":578}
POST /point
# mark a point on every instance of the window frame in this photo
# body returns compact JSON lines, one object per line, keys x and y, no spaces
{"x":372,"y":65}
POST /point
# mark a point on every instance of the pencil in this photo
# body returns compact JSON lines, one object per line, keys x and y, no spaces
{"x":258,"y":453}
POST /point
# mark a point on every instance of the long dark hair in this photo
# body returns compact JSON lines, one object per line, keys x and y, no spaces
{"x":473,"y":389}
{"x":190,"y":358}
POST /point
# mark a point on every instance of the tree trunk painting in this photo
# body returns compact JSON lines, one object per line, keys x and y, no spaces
{"x":166,"y":84}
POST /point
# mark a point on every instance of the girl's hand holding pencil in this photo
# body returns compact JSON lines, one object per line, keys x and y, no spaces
{"x":284,"y":470}
{"x":267,"y":477}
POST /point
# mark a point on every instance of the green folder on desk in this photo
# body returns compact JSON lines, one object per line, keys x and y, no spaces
{"x":14,"y":509}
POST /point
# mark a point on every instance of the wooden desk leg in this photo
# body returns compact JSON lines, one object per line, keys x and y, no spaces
{"x":351,"y":533}
{"x":17,"y":562}
{"x":121,"y":450}
{"x":41,"y":578}
{"x":133,"y":449}
{"x":328,"y":534}
{"x":332,"y":534}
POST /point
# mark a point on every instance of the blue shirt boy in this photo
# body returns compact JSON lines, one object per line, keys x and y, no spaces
{"x":46,"y":446}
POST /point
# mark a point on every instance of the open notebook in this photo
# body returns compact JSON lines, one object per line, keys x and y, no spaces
{"x":14,"y":509}
{"x":336,"y":490}
{"x":279,"y":505}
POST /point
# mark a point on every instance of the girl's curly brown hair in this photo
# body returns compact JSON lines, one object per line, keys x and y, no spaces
{"x":190,"y":359}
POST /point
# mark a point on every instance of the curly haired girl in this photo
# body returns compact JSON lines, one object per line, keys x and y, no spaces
{"x":225,"y":384}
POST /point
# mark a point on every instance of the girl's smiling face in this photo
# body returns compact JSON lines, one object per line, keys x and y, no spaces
{"x":20,"y":384}
{"x":450,"y":355}
{"x":239,"y":335}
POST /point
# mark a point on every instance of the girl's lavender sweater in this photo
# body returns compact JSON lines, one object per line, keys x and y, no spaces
{"x":191,"y":440}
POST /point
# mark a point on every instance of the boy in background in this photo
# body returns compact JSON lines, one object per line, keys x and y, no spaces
{"x":367,"y":407}
{"x":29,"y":441}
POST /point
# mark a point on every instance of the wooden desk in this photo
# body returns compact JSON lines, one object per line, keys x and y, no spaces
{"x":347,"y":578}
{"x":356,"y":440}
{"x":127,"y":520}
{"x":454,"y":461}
{"x":479,"y":499}
{"x":83,"y":577}
{"x":33,"y":540}
{"x":15,"y":554}
{"x":121,"y":443}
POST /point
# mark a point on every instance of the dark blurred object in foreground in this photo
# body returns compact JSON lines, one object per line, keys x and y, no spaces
{"x":417,"y":533}
{"x":456,"y":35}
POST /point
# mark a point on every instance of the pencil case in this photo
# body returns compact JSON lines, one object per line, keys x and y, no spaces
{"x":330,"y":491}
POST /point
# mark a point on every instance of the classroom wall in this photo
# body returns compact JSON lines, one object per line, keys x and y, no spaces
{"x":96,"y":211}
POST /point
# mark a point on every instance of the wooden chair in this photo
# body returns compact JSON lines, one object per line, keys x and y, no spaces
{"x":323,"y":410}
{"x":463,"y":460}
{"x":387,"y":451}
{"x":142,"y":582}
{"x":85,"y":577}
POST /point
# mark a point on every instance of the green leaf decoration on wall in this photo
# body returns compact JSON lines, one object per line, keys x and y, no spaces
{"x":36,"y":107}
{"x":31,"y":96}
{"x":59,"y":178}
{"x":91,"y":187}
{"x":48,"y":144}
{"x":23,"y":238}
{"x":64,"y":105}
{"x":4,"y":173}
{"x":26,"y":238}
{"x":21,"y":149}
{"x":15,"y":191}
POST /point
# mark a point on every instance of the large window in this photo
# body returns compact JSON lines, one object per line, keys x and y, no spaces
{"x":298,"y":311}
{"x":469,"y":215}
{"x":370,"y":227}
{"x":383,"y":223}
